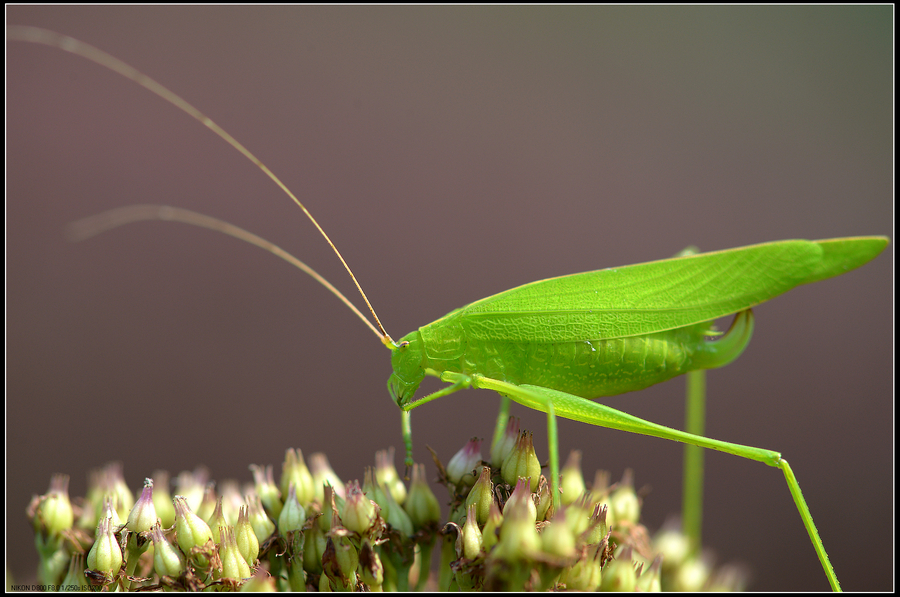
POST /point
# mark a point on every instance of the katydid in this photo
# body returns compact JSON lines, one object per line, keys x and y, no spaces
{"x":640,"y":309}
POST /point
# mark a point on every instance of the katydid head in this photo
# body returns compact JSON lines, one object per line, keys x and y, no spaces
{"x":406,"y":361}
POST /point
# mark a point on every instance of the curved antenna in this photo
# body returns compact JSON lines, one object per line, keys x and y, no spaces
{"x":93,"y":225}
{"x":89,"y":52}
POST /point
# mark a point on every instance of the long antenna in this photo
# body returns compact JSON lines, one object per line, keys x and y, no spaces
{"x":92,"y":225}
{"x":70,"y":44}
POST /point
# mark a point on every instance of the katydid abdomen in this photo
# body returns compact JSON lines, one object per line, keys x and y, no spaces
{"x":592,"y":367}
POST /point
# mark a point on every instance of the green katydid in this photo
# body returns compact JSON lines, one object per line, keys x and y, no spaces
{"x":818,"y":259}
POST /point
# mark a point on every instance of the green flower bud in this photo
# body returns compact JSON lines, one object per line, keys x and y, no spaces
{"x":572,"y":481}
{"x":234,"y":565}
{"x":217,"y":522}
{"x":471,"y":536}
{"x":54,"y":513}
{"x":106,"y":554}
{"x":208,"y":503}
{"x":268,"y":493}
{"x":192,"y":485}
{"x":597,"y":527}
{"x":585,"y":573}
{"x":482,"y":496}
{"x":294,"y":471}
{"x":491,"y":532}
{"x":260,"y":582}
{"x":191,"y":530}
{"x":386,"y":474}
{"x":313,"y":549}
{"x":359,"y":512}
{"x":231,"y":499}
{"x":167,"y":561}
{"x":421,"y":504}
{"x":522,"y":462}
{"x":115,"y":480}
{"x":461,"y":468}
{"x":293,"y":515}
{"x":262,"y":525}
{"x":323,"y":474}
{"x":557,"y":539}
{"x":543,"y":500}
{"x":371,"y":568}
{"x":391,"y":512}
{"x":672,"y":545}
{"x":649,"y":580}
{"x":518,"y":536}
{"x":340,"y":562}
{"x":162,"y":499}
{"x":75,"y":580}
{"x":624,"y":502}
{"x":692,"y":575}
{"x":505,"y":443}
{"x":245,"y":536}
{"x":521,"y":501}
{"x":619,"y":574}
{"x":143,"y":515}
{"x":600,"y":493}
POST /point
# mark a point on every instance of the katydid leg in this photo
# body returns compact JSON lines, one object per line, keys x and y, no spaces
{"x":581,"y":409}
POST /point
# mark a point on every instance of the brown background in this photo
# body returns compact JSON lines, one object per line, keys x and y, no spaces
{"x":451,"y":153}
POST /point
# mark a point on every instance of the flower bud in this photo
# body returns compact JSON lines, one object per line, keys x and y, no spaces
{"x":521,"y":501}
{"x":491,"y":532}
{"x":234,"y":565}
{"x":115,"y":480}
{"x":470,"y":536}
{"x":323,"y":474}
{"x":268,"y":493}
{"x":359,"y":512}
{"x":260,"y":582}
{"x":482,"y":496}
{"x":75,"y":580}
{"x":245,"y":537}
{"x":191,"y":530}
{"x":192,"y":486}
{"x":54,"y":513}
{"x":162,"y":499}
{"x":619,"y":574}
{"x":572,"y":482}
{"x":294,"y":471}
{"x":167,"y":561}
{"x":143,"y":516}
{"x":522,"y":462}
{"x":262,"y":525}
{"x":421,"y":504}
{"x":293,"y":515}
{"x":208,"y":503}
{"x":692,"y":574}
{"x":519,"y":539}
{"x":504,"y":444}
{"x":543,"y":500}
{"x":557,"y":539}
{"x":217,"y":522}
{"x":624,"y":502}
{"x":386,"y":474}
{"x":106,"y":555}
{"x":313,"y":549}
{"x":370,"y":566}
{"x":597,"y":527}
{"x":462,"y":465}
{"x":649,"y":580}
{"x":585,"y":573}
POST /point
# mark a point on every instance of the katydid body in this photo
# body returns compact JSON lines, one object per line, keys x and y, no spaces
{"x":555,"y":344}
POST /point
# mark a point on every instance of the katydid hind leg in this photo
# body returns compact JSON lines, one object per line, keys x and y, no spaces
{"x":580,"y":409}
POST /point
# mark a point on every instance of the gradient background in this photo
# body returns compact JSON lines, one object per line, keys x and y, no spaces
{"x":451,"y":153}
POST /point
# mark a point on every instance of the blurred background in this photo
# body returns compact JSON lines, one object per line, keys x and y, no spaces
{"x":451,"y":153}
